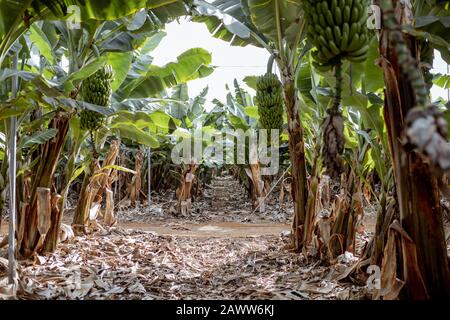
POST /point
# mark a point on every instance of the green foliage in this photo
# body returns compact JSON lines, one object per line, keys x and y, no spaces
{"x":226,"y":20}
{"x":36,"y":138}
{"x":278,"y":20}
{"x":193,"y":63}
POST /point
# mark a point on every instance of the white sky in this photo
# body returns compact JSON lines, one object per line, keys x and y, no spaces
{"x":232,"y":62}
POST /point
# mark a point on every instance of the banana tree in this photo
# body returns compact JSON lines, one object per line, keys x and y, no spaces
{"x":197,"y":125}
{"x":421,"y":262}
{"x":14,"y":28}
{"x":34,"y":237}
{"x":242,"y":115}
{"x":279,"y":27}
{"x":20,"y":16}
{"x":140,"y":82}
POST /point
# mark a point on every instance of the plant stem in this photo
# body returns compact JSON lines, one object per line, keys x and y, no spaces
{"x":94,"y":149}
{"x":338,"y":88}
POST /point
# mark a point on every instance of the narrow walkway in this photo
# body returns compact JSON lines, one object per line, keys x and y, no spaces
{"x":208,"y":230}
{"x":226,"y":197}
{"x":227,"y":193}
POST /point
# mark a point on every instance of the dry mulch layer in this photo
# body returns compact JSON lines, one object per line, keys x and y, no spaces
{"x":130,"y":264}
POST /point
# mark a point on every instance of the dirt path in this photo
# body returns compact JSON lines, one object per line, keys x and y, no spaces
{"x":215,"y":230}
{"x":200,"y":230}
{"x":225,"y":199}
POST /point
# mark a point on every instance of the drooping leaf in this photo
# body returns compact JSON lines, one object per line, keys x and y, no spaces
{"x":39,"y":137}
{"x":252,"y":112}
{"x":120,"y":62}
{"x":193,"y":63}
{"x":277,"y":18}
{"x":251,"y":81}
{"x":84,"y":72}
{"x":118,"y":168}
{"x":133,"y":133}
{"x":373,"y":74}
{"x":76,"y":104}
{"x":442,"y":81}
{"x":40,"y":40}
{"x":152,"y":42}
{"x":226,"y":20}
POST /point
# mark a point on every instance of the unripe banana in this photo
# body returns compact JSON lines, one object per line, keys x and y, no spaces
{"x":96,"y":89}
{"x":341,"y":33}
{"x":269,"y":99}
{"x":360,"y":52}
{"x":337,"y":35}
{"x":354,"y":44}
{"x":334,"y":48}
{"x":346,"y":14}
{"x":339,"y":29}
{"x":329,"y":34}
{"x":338,"y":16}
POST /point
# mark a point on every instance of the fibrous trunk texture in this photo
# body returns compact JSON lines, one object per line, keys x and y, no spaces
{"x":258,"y":191}
{"x":31,"y":213}
{"x":95,"y":183}
{"x":422,"y":242}
{"x":299,"y":189}
{"x":335,"y":233}
{"x":184,"y":192}
{"x":134,"y":189}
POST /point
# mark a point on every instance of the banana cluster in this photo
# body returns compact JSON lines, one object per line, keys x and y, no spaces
{"x":96,"y":89}
{"x":269,"y":99}
{"x":338,"y":30}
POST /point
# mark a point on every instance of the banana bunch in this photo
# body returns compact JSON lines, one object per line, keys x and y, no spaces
{"x":270,"y":101}
{"x":96,"y":89}
{"x":337,"y":29}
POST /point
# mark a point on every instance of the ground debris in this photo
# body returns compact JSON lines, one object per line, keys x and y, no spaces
{"x":225,"y":200}
{"x":131,"y":264}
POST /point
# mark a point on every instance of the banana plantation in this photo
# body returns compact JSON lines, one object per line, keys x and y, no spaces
{"x":323,"y":175}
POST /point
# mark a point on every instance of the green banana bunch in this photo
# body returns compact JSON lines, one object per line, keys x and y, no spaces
{"x":270,"y":101}
{"x":96,"y":89}
{"x":338,"y":30}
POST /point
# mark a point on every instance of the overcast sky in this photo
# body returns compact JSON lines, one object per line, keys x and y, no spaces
{"x":231,"y":62}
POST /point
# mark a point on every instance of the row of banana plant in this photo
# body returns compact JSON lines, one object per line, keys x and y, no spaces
{"x":405,"y":58}
{"x":54,"y":58}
